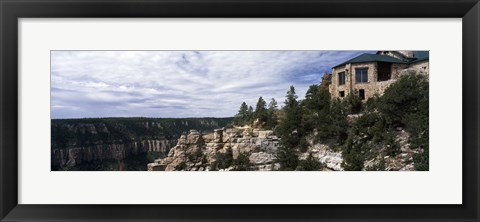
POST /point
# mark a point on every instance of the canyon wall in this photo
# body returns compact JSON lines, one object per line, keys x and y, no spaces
{"x":73,"y":156}
{"x":76,"y":144}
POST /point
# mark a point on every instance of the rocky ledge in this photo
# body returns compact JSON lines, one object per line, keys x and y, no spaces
{"x":201,"y":152}
{"x":197,"y":152}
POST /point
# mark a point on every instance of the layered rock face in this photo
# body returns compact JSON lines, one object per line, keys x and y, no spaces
{"x":197,"y":152}
{"x":79,"y":142}
{"x":74,"y":156}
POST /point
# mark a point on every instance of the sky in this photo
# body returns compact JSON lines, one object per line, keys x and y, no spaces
{"x":179,"y":84}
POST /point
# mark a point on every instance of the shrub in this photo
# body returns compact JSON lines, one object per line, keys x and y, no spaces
{"x":287,"y":157}
{"x":223,"y":160}
{"x":353,"y":156}
{"x":241,"y":163}
{"x":181,"y":166}
{"x":353,"y":102}
{"x":332,"y":127}
{"x":309,"y":164}
{"x":406,"y":103}
{"x":303,"y":145}
{"x":195,"y":156}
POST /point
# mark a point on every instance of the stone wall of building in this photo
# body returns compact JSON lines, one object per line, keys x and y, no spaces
{"x":421,"y":67}
{"x":334,"y":88}
{"x":369,"y":86}
{"x":373,"y":86}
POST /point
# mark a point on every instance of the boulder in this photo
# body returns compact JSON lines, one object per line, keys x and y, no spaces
{"x":265,"y":134}
{"x":261,"y":158}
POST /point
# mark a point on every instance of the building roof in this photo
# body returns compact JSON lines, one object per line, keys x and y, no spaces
{"x":372,"y":58}
{"x":420,"y":56}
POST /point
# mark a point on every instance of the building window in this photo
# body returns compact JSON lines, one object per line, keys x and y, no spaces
{"x":342,"y":93}
{"x":341,"y":78}
{"x":384,"y":71}
{"x":361,"y":75}
{"x":361,"y":93}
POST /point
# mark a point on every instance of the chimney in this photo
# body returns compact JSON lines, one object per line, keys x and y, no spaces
{"x":407,"y":54}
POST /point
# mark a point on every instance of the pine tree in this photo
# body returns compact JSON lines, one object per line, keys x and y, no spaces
{"x":310,"y":164}
{"x":332,"y":124}
{"x":287,"y":157}
{"x":353,"y":102}
{"x":272,"y":105}
{"x":242,"y":116}
{"x":272,"y":119}
{"x":290,"y":131}
{"x":260,"y":110}
{"x":249,"y":115}
{"x":311,"y":101}
{"x":405,"y":103}
{"x":242,"y":162}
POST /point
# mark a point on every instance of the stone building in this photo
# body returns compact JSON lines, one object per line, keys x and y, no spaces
{"x":371,"y":74}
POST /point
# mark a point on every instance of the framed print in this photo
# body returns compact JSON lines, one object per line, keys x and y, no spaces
{"x":310,"y":110}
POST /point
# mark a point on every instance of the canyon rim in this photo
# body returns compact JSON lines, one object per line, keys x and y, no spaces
{"x":233,"y":110}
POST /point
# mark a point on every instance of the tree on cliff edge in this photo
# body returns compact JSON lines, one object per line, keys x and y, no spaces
{"x":260,"y":110}
{"x":272,"y":119}
{"x":291,"y":128}
{"x":290,"y":131}
{"x":242,"y":115}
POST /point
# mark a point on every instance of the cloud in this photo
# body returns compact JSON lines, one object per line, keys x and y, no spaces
{"x":179,"y":83}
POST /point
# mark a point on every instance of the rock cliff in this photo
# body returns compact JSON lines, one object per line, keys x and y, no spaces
{"x":201,"y":152}
{"x":74,"y":156}
{"x":198,"y":152}
{"x":78,"y":143}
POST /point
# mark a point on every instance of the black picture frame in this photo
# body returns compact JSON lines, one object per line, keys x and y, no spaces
{"x":12,"y":10}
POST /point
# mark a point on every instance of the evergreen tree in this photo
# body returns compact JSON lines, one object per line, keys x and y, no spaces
{"x":335,"y":125}
{"x":287,"y":157}
{"x":310,"y":164}
{"x":311,"y":98}
{"x":353,"y":102}
{"x":242,"y":162}
{"x":222,"y":160}
{"x":242,"y":116}
{"x":290,"y":131}
{"x":317,"y":106}
{"x":291,"y":127}
{"x":291,"y":98}
{"x":250,"y":115}
{"x":272,"y":105}
{"x":353,"y":157}
{"x":406,"y":104}
{"x":272,"y":119}
{"x":260,"y":110}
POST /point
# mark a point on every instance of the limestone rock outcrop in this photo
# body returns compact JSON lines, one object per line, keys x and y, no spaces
{"x":201,"y":152}
{"x":197,"y":152}
{"x":331,"y":159}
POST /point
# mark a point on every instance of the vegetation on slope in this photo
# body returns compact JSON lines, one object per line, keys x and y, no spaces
{"x":361,"y":130}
